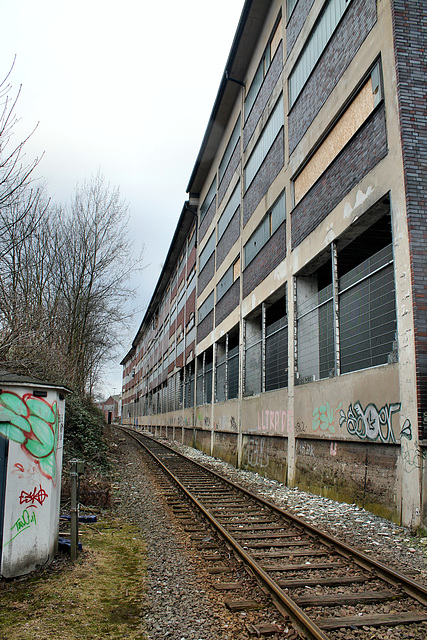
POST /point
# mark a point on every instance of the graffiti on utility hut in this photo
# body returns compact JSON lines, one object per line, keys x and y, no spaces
{"x":24,"y":522}
{"x":34,"y":424}
{"x":30,"y":498}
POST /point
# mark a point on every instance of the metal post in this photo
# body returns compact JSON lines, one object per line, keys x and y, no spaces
{"x":77,"y":469}
{"x":74,"y":536}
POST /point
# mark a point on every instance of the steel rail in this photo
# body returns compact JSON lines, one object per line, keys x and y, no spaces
{"x":410,"y":586}
{"x":297,"y":614}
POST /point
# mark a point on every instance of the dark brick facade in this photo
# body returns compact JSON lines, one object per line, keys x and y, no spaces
{"x":205,"y":326}
{"x":230,"y":236}
{"x":358,"y":157}
{"x":296,"y":23}
{"x":270,"y":81}
{"x":206,"y":274}
{"x":229,"y":173}
{"x":228,"y":302}
{"x":267,"y":259}
{"x":190,"y":348}
{"x":355,"y":25}
{"x":268,"y":171}
{"x":190,"y":305}
{"x":204,"y":225}
{"x":410,"y":34}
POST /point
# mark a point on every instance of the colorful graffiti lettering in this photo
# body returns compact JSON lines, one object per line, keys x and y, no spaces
{"x":38,"y":495}
{"x":22,"y":524}
{"x":33,"y":423}
{"x":324,"y":417}
{"x":371,"y":423}
{"x":278,"y":421}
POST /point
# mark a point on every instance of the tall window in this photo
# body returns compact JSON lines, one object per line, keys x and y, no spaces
{"x":315,"y":45}
{"x":266,"y":139}
{"x":229,"y":150}
{"x":266,"y":347}
{"x":262,"y":68}
{"x":227,"y":367}
{"x":363,"y":300}
{"x":207,"y":251}
{"x":204,"y":377}
{"x":265,"y":230}
{"x":208,"y":200}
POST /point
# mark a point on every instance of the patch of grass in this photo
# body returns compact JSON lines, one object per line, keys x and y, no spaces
{"x":101,"y":596}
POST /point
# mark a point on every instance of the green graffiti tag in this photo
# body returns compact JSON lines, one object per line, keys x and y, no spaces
{"x":22,"y":524}
{"x":33,"y":423}
{"x":324,"y":417}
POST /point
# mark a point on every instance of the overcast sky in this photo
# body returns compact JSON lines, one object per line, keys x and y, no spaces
{"x":126,"y":88}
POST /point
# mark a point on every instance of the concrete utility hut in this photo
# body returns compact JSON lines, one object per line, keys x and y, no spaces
{"x":287,"y":333}
{"x":31,"y":441}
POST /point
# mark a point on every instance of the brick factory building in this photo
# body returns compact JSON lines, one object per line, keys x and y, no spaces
{"x":287,"y":333}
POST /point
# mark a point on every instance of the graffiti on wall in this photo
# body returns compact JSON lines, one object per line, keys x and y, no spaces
{"x":277,"y":421}
{"x":324,"y":417}
{"x":413,"y":457}
{"x":372,"y":423}
{"x":34,"y":424}
{"x":31,"y":497}
{"x":24,"y":522}
{"x":226,"y":423}
{"x":255,"y":453}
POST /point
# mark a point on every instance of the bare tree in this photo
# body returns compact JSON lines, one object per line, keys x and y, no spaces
{"x":17,"y":193}
{"x":95,"y":267}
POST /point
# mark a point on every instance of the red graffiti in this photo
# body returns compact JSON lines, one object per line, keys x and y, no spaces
{"x":19,"y":466}
{"x":39,"y":496}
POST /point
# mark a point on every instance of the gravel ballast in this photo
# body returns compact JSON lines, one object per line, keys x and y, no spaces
{"x":181,"y":601}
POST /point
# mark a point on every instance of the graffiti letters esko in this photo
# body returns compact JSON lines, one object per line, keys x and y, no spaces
{"x":372,"y":423}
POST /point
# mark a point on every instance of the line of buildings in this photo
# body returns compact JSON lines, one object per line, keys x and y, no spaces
{"x":287,"y":333}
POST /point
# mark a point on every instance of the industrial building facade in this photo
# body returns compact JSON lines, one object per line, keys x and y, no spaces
{"x":287,"y":333}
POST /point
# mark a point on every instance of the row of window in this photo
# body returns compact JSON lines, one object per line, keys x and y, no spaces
{"x":269,"y":224}
{"x":354,"y":285}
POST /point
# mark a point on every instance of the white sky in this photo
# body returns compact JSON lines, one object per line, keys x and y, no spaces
{"x":125,"y":87}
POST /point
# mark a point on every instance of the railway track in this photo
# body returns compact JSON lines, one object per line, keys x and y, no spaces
{"x":317,"y":582}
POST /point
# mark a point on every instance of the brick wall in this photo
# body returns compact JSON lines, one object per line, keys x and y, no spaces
{"x":264,"y":93}
{"x":206,"y":274}
{"x":267,"y":259}
{"x":228,"y":302}
{"x":296,"y":23}
{"x":357,"y":22}
{"x":205,"y":326}
{"x":358,"y":157}
{"x":229,"y":173}
{"x":231,"y":234}
{"x":410,"y":33}
{"x":207,"y":219}
{"x":265,"y":176}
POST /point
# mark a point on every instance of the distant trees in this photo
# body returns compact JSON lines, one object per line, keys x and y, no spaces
{"x":64,"y":271}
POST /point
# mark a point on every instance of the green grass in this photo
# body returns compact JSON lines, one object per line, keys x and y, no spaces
{"x":101,"y":596}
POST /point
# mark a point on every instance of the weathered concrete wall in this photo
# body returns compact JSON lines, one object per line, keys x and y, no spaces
{"x":202,"y":440}
{"x":225,"y":447}
{"x":266,"y":456}
{"x":364,"y":474}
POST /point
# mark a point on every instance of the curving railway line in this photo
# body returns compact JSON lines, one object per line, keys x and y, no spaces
{"x":315,"y":581}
